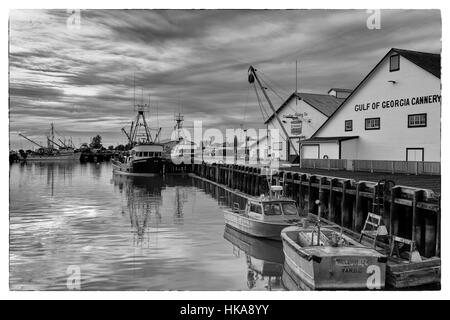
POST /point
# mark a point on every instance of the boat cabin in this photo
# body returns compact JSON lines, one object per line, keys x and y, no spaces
{"x":147,"y":151}
{"x":272,"y":210}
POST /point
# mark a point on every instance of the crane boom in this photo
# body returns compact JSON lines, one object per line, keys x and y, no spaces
{"x":31,"y":141}
{"x":63,"y":143}
{"x":126,"y":133}
{"x":251,"y":79}
{"x":157,"y":135}
{"x":50,"y":140}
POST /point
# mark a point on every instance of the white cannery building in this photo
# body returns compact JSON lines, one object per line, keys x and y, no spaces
{"x":302,"y":114}
{"x":393,"y":114}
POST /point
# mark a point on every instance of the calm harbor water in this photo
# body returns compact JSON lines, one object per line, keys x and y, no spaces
{"x":161,"y":233}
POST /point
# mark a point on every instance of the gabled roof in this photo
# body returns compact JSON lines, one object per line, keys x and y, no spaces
{"x":324,"y":103}
{"x":430,"y":62}
{"x":340,"y":90}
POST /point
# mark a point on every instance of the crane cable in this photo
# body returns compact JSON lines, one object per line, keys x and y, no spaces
{"x":271,"y":89}
{"x":261,"y":106}
{"x":273,"y":83}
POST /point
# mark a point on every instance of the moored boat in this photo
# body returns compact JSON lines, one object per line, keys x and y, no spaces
{"x":265,"y":216}
{"x":323,"y":258}
{"x":56,"y":156}
{"x":53,"y":152}
{"x":144,"y":159}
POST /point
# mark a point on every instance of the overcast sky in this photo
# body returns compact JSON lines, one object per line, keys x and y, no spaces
{"x":196,"y":61}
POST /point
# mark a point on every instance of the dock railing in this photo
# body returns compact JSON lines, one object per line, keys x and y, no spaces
{"x":382,"y":166}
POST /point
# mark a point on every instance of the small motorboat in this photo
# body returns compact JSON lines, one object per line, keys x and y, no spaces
{"x":323,"y":258}
{"x":265,"y":216}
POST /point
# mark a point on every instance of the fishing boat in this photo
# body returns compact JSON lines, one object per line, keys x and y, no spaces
{"x":265,"y":216}
{"x":54,"y":151}
{"x":144,"y":159}
{"x":324,"y":258}
{"x":146,"y":156}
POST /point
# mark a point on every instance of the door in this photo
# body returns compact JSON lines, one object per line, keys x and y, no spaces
{"x":310,"y":151}
{"x":414,"y":154}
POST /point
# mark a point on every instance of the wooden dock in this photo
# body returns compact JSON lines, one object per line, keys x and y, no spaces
{"x":410,"y":212}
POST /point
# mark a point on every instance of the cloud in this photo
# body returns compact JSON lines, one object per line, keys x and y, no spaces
{"x":193,"y":60}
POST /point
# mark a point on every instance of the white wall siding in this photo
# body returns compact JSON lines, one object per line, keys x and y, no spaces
{"x":329,"y":150}
{"x":349,"y":149}
{"x":394,"y":137}
{"x":312,"y":121}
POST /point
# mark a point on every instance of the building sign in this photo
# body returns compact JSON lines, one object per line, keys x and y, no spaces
{"x":403,"y":102}
{"x":296,"y":127}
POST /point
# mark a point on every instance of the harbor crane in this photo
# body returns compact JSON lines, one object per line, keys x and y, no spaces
{"x":252,"y":76}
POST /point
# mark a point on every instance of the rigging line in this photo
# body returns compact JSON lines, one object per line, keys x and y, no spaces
{"x":246,"y":104}
{"x":259,"y":104}
{"x":275,"y":84}
{"x":271,"y":89}
{"x":261,"y":107}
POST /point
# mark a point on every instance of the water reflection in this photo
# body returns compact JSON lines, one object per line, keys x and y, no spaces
{"x":161,"y":233}
{"x":264,"y":258}
{"x":143,"y":202}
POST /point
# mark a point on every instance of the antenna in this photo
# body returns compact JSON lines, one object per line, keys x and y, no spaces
{"x":157,"y":116}
{"x":296,"y":81}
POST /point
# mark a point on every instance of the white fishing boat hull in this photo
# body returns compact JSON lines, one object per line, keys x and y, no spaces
{"x":334,"y":268}
{"x":253,"y":227}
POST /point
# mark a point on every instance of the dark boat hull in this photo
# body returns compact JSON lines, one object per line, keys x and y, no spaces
{"x":149,"y":165}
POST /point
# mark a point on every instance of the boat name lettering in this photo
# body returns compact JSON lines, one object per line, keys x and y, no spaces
{"x":342,"y":262}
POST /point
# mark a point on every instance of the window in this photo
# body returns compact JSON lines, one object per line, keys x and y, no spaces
{"x":394,"y":63}
{"x":272,"y":209}
{"x":289,"y":209}
{"x":256,"y":208}
{"x":348,"y":125}
{"x":417,"y":120}
{"x":372,"y":123}
{"x":279,"y":146}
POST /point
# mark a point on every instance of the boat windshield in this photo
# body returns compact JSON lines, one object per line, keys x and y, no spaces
{"x":289,"y":209}
{"x":272,"y":209}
